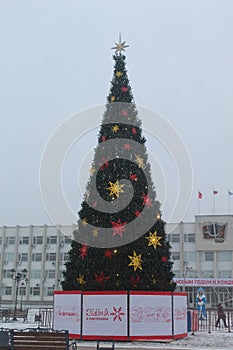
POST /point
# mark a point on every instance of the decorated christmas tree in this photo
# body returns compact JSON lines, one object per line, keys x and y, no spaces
{"x":120,"y":243}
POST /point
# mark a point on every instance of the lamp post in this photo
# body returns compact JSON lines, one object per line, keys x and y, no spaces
{"x":186,"y":270}
{"x":17,"y":277}
{"x":22,"y":288}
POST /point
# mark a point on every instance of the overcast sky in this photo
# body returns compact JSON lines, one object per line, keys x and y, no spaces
{"x":56,"y":60}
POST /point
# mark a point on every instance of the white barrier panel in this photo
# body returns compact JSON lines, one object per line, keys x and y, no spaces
{"x":150,"y":315}
{"x":180,"y":315}
{"x":104,"y":315}
{"x":67,"y":312}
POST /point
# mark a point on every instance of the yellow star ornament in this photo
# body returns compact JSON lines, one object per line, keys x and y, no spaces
{"x":118,"y":74}
{"x":84,"y":222}
{"x":136,"y":261}
{"x":140,"y":161}
{"x":115,"y":188}
{"x":154,"y":239}
{"x":115,"y":128}
{"x":80,"y":279}
{"x":95,"y":232}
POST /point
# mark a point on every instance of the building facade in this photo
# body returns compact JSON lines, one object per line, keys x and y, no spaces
{"x":32,"y":260}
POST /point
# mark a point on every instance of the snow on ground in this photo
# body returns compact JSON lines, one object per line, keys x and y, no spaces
{"x":200,"y":340}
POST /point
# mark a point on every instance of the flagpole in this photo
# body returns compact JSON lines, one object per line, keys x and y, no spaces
{"x":213,"y":203}
{"x":229,"y":209}
{"x":198,"y":205}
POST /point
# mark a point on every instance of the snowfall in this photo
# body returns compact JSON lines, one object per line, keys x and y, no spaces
{"x":218,"y":339}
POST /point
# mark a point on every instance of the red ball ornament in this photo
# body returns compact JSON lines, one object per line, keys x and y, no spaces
{"x":124,"y":89}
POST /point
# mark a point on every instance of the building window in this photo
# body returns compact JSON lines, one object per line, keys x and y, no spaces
{"x":51,"y":257}
{"x":37,"y":257}
{"x":175,"y":238}
{"x":224,"y":274}
{"x":224,"y":256}
{"x":66,"y":257}
{"x":52,"y":239}
{"x":35,"y":274}
{"x":67,"y":239}
{"x":190,"y":256}
{"x":11,"y":240}
{"x":8,"y":290}
{"x":177,"y":273}
{"x":25,"y":240}
{"x":208,"y":273}
{"x":38,"y":240}
{"x":209,"y":256}
{"x":189,"y":238}
{"x":23,"y":257}
{"x":175,"y":255}
{"x":9,"y":257}
{"x":50,"y":291}
{"x":7,"y":273}
{"x":35,"y":291}
{"x":50,"y":273}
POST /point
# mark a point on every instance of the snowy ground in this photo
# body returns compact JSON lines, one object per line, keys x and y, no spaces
{"x":201,"y":340}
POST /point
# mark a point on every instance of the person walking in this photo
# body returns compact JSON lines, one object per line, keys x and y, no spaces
{"x":221,"y":315}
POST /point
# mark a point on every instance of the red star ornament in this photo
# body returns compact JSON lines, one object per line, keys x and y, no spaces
{"x":146,"y":200}
{"x":124,"y":89}
{"x":108,"y":253}
{"x":127,"y":146}
{"x":104,"y":164}
{"x":83,"y":251}
{"x":118,"y":227}
{"x":137,"y":213}
{"x":125,"y":113}
{"x":101,"y":278}
{"x":135,"y":280}
{"x":133,"y":177}
{"x":164,"y":259}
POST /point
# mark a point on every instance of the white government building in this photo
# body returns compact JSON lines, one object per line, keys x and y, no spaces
{"x":32,"y":260}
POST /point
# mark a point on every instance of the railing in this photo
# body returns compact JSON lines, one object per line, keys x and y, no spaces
{"x":208,"y":324}
{"x":45,"y":318}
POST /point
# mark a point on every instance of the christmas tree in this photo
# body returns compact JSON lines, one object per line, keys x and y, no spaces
{"x":120,"y":243}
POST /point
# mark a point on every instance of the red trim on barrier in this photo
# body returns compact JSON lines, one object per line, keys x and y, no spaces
{"x":67,"y":292}
{"x":121,"y":292}
{"x":74,"y":336}
{"x":104,"y":337}
{"x":180,"y":293}
{"x":151,"y":337}
{"x":149,"y":293}
{"x":178,"y":336}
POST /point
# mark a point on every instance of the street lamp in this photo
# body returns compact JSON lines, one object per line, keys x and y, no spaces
{"x":185,"y":271}
{"x":17,"y":277}
{"x":22,"y":289}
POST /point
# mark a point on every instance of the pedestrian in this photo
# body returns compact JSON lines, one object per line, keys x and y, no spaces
{"x":221,"y":315}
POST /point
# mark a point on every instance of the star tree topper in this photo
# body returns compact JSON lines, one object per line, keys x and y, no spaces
{"x":120,"y":46}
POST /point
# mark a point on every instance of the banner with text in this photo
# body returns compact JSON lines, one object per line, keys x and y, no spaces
{"x":208,"y":282}
{"x":150,"y":315}
{"x":104,"y":315}
{"x":67,"y":312}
